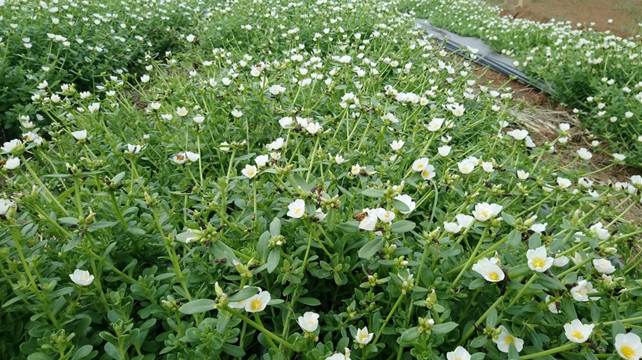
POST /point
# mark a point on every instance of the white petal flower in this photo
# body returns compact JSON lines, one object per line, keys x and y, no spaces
{"x":581,"y":291}
{"x":485,"y":211}
{"x":538,"y":259}
{"x":504,"y":340}
{"x":459,"y":354}
{"x":452,"y":227}
{"x":577,"y":332}
{"x":518,"y":134}
{"x":489,"y":269}
{"x":79,"y":135}
{"x":406,"y":199}
{"x":420,"y":164}
{"x":309,"y":321}
{"x":257,"y":302}
{"x":12,"y":163}
{"x":276,"y":144}
{"x":464,"y":221}
{"x":363,"y":337}
{"x":628,"y":346}
{"x":261,"y":160}
{"x":5,"y":205}
{"x":603,"y":266}
{"x":444,"y":150}
{"x":249,"y":171}
{"x":553,"y":306}
{"x":81,"y":277}
{"x":466,"y":166}
{"x":296,"y":209}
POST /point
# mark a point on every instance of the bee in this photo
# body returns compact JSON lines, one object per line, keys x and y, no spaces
{"x":360,"y":216}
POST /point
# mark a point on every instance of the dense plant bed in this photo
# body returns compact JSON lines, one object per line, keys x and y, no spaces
{"x":308,"y":180}
{"x":596,"y":73}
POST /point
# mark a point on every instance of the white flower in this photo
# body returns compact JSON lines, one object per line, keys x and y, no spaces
{"x":560,"y":261}
{"x":93,"y":107}
{"x":296,"y":209}
{"x":406,"y":199}
{"x":444,"y":150}
{"x":81,"y":277}
{"x":363,"y":336}
{"x":563,"y":182}
{"x":581,"y":291}
{"x":577,"y":332}
{"x":489,"y":269}
{"x":5,"y":205}
{"x":538,"y":259}
{"x":504,"y":340}
{"x":179,"y":158}
{"x":628,"y":346}
{"x":584,"y":182}
{"x":369,"y":222}
{"x":198,"y":119}
{"x":584,"y":154}
{"x":133,"y":149}
{"x":420,"y":164}
{"x":522,"y":175}
{"x":190,"y":38}
{"x":518,"y":134}
{"x":237,"y":113}
{"x":79,"y":135}
{"x":600,"y":232}
{"x":249,"y":171}
{"x":313,"y":127}
{"x":385,"y":215}
{"x":355,"y":169}
{"x":603,"y":266}
{"x":396,"y":145}
{"x":435,"y":124}
{"x":286,"y":122}
{"x":276,"y":144}
{"x":428,"y":173}
{"x":319,"y":215}
{"x":144,"y":78}
{"x":452,"y":227}
{"x":485,"y":211}
{"x":309,"y":322}
{"x":257,"y":302}
{"x":459,"y":354}
{"x":553,"y":306}
{"x":339,"y":159}
{"x":466,"y":166}
{"x":12,"y":163}
{"x":464,"y":221}
{"x":564,"y":127}
{"x":488,"y":166}
{"x":192,"y":156}
{"x":538,"y":227}
{"x":261,"y":160}
{"x":276,"y":90}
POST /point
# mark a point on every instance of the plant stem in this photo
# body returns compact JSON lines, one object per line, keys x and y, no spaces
{"x":261,"y":328}
{"x":392,"y":312}
{"x":554,"y":350}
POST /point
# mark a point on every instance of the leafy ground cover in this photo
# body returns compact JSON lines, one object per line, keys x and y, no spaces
{"x":596,"y":73}
{"x":309,"y":180}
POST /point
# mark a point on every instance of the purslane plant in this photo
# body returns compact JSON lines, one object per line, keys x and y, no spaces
{"x":313,"y":180}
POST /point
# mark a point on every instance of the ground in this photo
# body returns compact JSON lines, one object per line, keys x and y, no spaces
{"x":626,"y":14}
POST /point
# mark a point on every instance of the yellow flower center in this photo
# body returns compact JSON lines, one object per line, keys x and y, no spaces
{"x":363,"y":336}
{"x":425,"y":173}
{"x":576,"y":334}
{"x":509,"y":340}
{"x":485,"y":213}
{"x":539,"y":262}
{"x":297,"y":211}
{"x":627,"y":351}
{"x":250,"y":172}
{"x":256,"y":304}
{"x":420,"y":166}
{"x":493,"y":276}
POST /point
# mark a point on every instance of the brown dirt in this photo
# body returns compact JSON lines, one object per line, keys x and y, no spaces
{"x":626,"y":14}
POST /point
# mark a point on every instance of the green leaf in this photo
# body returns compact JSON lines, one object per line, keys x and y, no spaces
{"x":263,"y":245}
{"x":514,"y":238}
{"x":273,"y":260}
{"x":617,"y":328}
{"x":491,"y":320}
{"x":370,"y":248}
{"x":373,"y":193}
{"x":244,"y":293}
{"x":512,"y":352}
{"x":100,"y":225}
{"x":445,"y":328}
{"x":68,"y":220}
{"x":38,"y":356}
{"x":116,"y":179}
{"x":410,"y":334}
{"x":186,"y":237}
{"x":402,"y":226}
{"x":197,"y":306}
{"x":477,"y":356}
{"x":309,"y":301}
{"x":400,"y":205}
{"x":82,"y":352}
{"x":275,"y":227}
{"x":112,"y":351}
{"x":233,"y":350}
{"x":508,"y":218}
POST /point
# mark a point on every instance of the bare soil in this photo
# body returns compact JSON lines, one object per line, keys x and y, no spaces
{"x":626,"y":15}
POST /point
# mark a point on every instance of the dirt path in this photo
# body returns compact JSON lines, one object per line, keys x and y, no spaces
{"x":626,"y":15}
